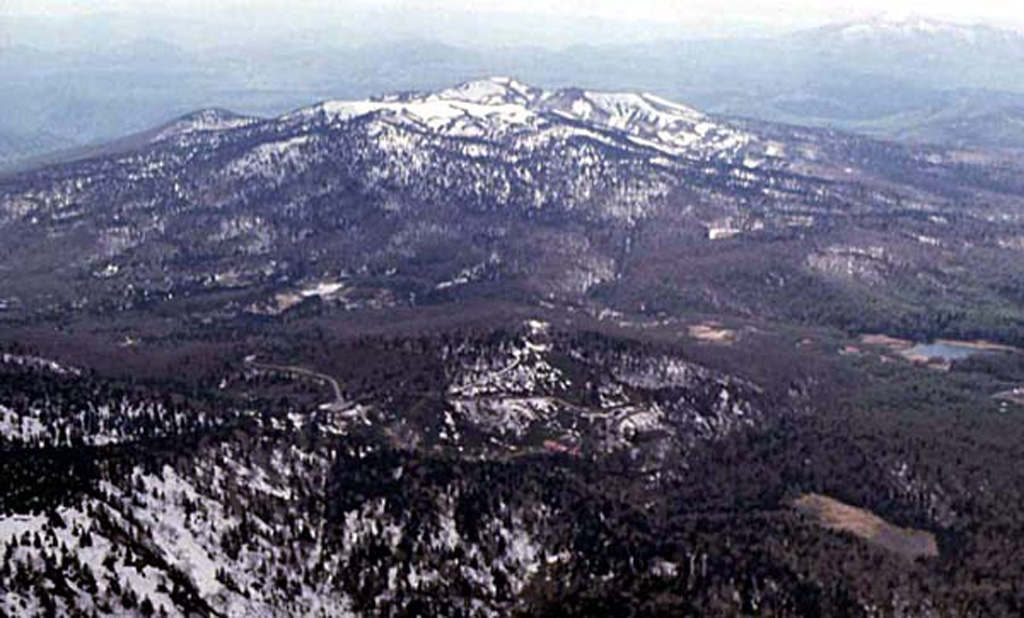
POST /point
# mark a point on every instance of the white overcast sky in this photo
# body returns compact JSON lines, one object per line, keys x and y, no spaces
{"x":543,"y":22}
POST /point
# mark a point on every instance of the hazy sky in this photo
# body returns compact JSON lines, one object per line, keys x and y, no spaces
{"x":497,"y":22}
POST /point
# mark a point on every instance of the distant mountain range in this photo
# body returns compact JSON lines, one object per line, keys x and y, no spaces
{"x":885,"y":77}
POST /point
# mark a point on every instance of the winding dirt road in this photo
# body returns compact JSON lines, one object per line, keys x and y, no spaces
{"x":339,"y":402}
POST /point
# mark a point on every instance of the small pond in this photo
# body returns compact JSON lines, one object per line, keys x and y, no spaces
{"x":944,"y":351}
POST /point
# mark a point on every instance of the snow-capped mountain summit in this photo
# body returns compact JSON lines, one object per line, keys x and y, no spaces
{"x":491,"y":91}
{"x":447,"y":116}
{"x":906,"y":28}
{"x":498,"y":107}
{"x":902,"y":25}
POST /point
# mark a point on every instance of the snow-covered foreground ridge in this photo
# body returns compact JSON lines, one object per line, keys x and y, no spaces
{"x":499,"y":107}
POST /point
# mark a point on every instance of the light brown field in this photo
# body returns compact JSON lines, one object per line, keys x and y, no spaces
{"x":864,"y":524}
{"x":927,"y":361}
{"x":886,"y":341}
{"x":986,"y":346}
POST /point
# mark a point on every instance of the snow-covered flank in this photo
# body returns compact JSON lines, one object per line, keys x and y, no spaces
{"x":649,"y":120}
{"x":499,"y":106}
{"x":170,"y":531}
{"x":98,"y":569}
{"x":231,"y":530}
{"x":234,"y":556}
